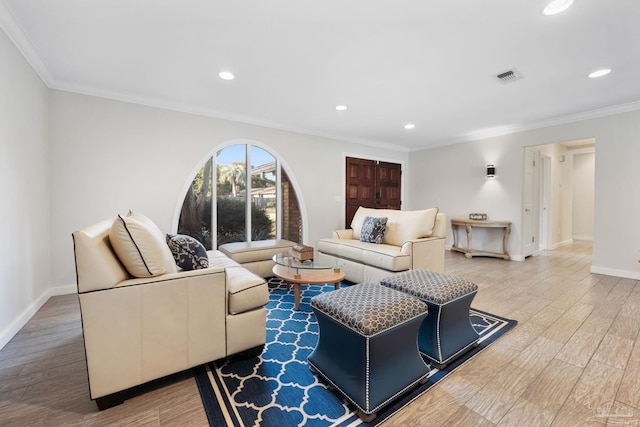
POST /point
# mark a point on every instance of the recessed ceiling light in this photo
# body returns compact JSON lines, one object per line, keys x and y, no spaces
{"x":557,"y":6}
{"x":409,"y":126}
{"x":599,"y":73}
{"x":341,"y":107}
{"x":226,"y":75}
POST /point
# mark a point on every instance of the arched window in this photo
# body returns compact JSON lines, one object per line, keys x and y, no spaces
{"x":252,"y":203}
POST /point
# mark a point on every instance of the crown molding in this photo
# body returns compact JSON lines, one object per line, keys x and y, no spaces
{"x":216,"y":114}
{"x":16,"y":34}
{"x":508,"y":130}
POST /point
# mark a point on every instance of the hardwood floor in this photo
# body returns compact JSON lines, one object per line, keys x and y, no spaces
{"x":573,"y":360}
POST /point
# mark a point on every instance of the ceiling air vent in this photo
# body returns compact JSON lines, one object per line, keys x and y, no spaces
{"x":509,"y":76}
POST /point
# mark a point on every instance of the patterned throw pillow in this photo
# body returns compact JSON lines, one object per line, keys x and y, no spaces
{"x":373,"y":229}
{"x":189,"y":253}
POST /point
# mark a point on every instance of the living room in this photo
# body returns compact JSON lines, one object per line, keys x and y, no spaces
{"x":71,"y":159}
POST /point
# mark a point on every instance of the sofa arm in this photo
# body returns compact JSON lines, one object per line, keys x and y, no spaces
{"x":427,"y":253}
{"x":170,"y":277}
{"x":343,"y":234}
{"x":146,"y":328}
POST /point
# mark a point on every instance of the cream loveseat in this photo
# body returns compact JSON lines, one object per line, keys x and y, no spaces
{"x":137,"y":329}
{"x":411,"y":240}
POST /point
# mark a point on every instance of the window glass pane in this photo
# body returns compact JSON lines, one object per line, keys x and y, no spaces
{"x":231,"y":204}
{"x":230,"y":186}
{"x":195,"y":215}
{"x":263,"y":195}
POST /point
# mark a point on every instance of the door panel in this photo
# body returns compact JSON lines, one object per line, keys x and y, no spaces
{"x":388,"y":185}
{"x":360,"y":186}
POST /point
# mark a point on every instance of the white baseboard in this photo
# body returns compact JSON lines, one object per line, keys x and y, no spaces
{"x":585,"y":238}
{"x":513,"y":257}
{"x":11,"y":330}
{"x":635,"y":275}
{"x":561,"y":244}
{"x":64,"y":290}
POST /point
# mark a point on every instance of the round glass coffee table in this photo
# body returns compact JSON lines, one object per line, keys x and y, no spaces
{"x":299,"y":273}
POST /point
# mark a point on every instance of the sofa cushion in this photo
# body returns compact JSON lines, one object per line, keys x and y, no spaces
{"x":258,"y":250}
{"x":373,"y":229}
{"x":401,"y":226}
{"x":387,"y":257}
{"x":220,"y":260}
{"x":188,"y":253}
{"x":140,"y":246}
{"x":246,"y":290}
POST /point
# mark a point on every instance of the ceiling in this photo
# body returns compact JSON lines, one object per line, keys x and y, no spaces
{"x":429,"y":63}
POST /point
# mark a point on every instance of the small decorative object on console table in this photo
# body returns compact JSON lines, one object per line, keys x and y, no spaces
{"x":469,"y":224}
{"x":480,"y":216}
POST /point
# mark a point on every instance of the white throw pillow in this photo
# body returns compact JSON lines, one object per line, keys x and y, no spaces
{"x":141,"y":246}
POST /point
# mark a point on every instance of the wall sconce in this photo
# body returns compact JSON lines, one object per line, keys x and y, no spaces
{"x":491,"y":171}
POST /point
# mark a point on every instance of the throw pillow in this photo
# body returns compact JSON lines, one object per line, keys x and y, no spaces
{"x":358,"y":219}
{"x":140,"y":246}
{"x":410,"y":225}
{"x":188,"y":253}
{"x":373,"y":229}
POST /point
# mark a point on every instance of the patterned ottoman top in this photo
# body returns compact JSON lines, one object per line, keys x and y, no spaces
{"x":438,"y":288}
{"x":369,"y":308}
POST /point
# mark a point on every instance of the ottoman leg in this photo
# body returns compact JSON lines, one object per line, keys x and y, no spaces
{"x":366,"y":418}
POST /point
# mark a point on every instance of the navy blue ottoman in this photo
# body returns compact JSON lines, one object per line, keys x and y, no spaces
{"x":367,"y":348}
{"x":447,"y":332}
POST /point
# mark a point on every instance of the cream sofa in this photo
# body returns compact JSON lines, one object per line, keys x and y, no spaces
{"x":412,"y":240}
{"x":137,"y":329}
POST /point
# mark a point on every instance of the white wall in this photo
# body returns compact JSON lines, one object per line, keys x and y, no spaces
{"x":452,"y":178}
{"x":24,"y":190}
{"x":583,"y":195}
{"x":108,"y":157}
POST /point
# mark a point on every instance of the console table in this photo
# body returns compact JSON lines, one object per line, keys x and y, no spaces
{"x":469,"y":224}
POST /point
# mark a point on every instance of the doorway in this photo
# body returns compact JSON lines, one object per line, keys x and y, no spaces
{"x":557,"y":178}
{"x":371,"y":184}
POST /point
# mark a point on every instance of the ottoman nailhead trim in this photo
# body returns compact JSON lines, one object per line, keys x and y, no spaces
{"x":366,"y":386}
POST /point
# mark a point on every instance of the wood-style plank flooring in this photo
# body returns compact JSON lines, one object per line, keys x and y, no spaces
{"x":573,"y":360}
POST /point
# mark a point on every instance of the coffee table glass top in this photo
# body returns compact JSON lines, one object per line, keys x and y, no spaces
{"x":287,"y":260}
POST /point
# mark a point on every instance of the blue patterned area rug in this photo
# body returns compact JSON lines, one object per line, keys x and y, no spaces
{"x":277,"y":388}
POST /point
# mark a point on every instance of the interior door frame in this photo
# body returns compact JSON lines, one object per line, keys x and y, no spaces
{"x":544,"y":230}
{"x":533,"y":216}
{"x":403,"y":179}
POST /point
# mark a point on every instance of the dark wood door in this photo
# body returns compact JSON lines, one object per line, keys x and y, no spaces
{"x":371,"y":184}
{"x":360,"y":187}
{"x":388,"y":176}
